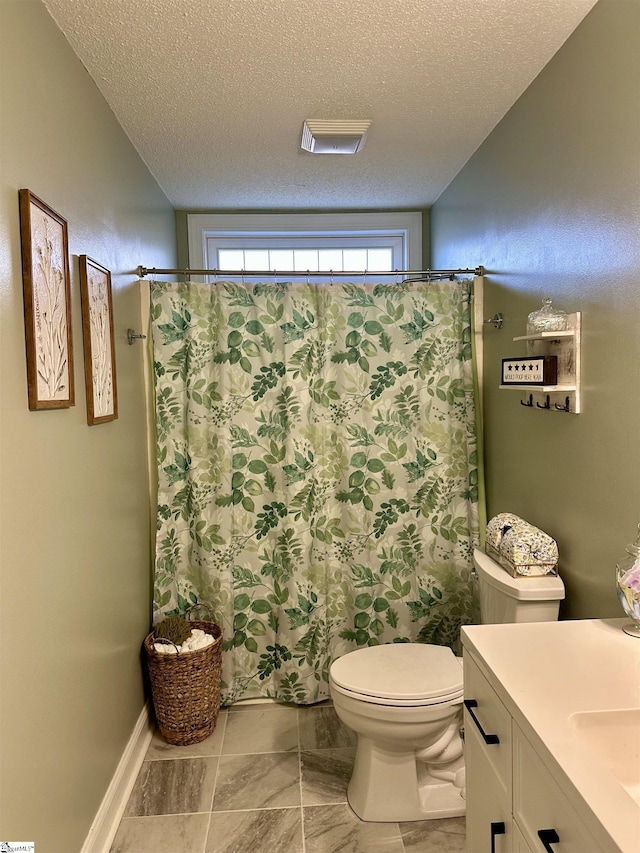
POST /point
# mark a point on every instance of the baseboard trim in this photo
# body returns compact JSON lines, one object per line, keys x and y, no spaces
{"x":106,"y":822}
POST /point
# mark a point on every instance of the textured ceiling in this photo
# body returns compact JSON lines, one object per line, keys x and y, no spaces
{"x":213,"y":93}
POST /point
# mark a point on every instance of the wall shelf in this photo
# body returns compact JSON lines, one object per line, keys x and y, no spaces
{"x":565,"y":395}
{"x":546,"y":389}
{"x":547,"y":336}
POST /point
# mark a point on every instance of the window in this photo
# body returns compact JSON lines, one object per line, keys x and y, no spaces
{"x":375,"y":242}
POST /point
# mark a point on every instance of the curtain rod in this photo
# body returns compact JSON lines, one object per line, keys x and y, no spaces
{"x":143,"y":271}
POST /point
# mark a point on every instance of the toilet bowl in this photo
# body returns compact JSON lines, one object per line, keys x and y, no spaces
{"x":404,"y":702}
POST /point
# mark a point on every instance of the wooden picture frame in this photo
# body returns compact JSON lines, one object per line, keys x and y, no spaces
{"x":47,"y":304}
{"x":99,"y":343}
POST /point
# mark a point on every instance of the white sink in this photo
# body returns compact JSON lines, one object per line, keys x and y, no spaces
{"x":614,"y":738}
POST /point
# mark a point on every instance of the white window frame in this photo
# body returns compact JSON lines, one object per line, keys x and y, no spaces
{"x":401,"y":230}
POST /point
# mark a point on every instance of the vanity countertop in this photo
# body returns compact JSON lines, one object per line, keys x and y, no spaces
{"x":545,"y":672}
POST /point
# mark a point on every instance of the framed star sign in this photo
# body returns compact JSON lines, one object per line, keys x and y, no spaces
{"x":530,"y":370}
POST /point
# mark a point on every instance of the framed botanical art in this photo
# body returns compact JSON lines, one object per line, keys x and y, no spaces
{"x":99,"y":348}
{"x":47,"y":304}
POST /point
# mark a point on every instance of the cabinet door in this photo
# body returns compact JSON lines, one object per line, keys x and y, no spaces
{"x":488,"y":718}
{"x":488,"y":806}
{"x":519,"y":844}
{"x":547,"y":820}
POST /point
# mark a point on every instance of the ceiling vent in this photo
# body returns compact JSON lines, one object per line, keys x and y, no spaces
{"x":324,"y":136}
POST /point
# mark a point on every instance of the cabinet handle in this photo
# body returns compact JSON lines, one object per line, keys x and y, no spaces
{"x":473,"y":703}
{"x":497,"y":828}
{"x":548,"y":837}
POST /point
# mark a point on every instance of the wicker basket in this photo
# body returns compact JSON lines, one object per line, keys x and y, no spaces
{"x":185,"y":688}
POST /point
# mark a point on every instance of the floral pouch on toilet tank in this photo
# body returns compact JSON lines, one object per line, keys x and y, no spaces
{"x":519,"y":547}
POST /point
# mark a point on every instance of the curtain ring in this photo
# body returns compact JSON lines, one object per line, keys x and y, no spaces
{"x":331,"y":271}
{"x":308,"y":282}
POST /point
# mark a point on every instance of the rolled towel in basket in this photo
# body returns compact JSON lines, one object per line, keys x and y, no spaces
{"x":166,"y":648}
{"x":197,"y":640}
{"x":519,"y":547}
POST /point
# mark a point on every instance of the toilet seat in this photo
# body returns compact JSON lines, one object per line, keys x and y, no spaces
{"x":400,"y":675}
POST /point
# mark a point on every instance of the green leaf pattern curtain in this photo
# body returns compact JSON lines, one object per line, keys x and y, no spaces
{"x":317,"y":471}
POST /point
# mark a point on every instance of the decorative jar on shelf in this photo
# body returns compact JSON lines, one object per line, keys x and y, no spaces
{"x":547,"y":319}
{"x":628,"y":584}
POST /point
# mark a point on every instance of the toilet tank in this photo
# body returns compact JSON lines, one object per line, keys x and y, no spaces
{"x":521,"y":599}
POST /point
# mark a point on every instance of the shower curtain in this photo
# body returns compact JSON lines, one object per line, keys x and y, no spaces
{"x":317,"y":470}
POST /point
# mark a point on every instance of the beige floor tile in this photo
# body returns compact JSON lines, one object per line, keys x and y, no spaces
{"x":261,"y":731}
{"x":257,"y":781}
{"x":325,"y":775}
{"x":161,"y":834}
{"x":336,"y":829}
{"x":447,"y":835}
{"x":263,"y":831}
{"x":173,"y":786}
{"x":256,"y":795}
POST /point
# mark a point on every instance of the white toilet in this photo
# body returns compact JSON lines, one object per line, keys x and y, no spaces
{"x":404,"y":702}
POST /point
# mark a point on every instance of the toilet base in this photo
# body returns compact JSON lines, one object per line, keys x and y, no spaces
{"x":388,"y":786}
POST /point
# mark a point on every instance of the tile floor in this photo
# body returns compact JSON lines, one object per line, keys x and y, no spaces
{"x":270,"y":779}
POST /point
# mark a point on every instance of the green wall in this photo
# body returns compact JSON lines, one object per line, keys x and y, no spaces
{"x":183,"y":239}
{"x":550,"y":205}
{"x":74,"y":499}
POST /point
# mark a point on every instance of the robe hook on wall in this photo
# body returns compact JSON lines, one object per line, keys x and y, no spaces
{"x":547,"y":403}
{"x":564,"y":408}
{"x":132,"y":337}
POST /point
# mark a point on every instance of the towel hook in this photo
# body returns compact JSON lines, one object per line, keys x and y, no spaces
{"x":564,"y":408}
{"x":529,"y":404}
{"x":547,"y":404}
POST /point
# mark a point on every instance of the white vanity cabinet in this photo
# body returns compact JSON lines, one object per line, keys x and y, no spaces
{"x":551,"y":737}
{"x":541,"y":811}
{"x":514,"y":805}
{"x":487,"y":739}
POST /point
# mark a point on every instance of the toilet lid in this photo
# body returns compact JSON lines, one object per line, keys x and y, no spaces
{"x":402,"y":672}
